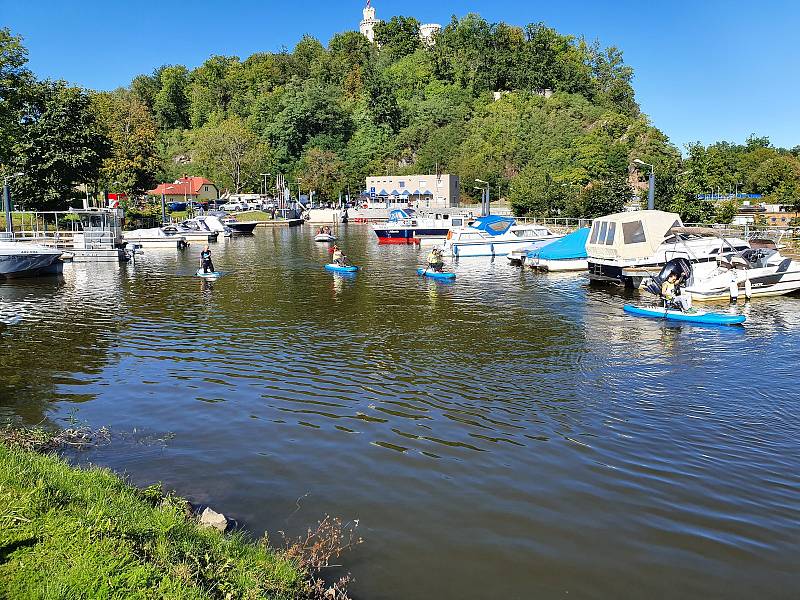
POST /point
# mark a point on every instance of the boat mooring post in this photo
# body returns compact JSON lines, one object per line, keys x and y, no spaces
{"x":7,"y":204}
{"x":7,"y":208}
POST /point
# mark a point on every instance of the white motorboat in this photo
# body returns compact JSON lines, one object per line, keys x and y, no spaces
{"x":155,"y":237}
{"x":565,"y":254}
{"x":493,"y":235}
{"x":627,"y":247}
{"x":324,"y":237}
{"x":21,"y":259}
{"x":406,"y":226}
{"x":194,"y":230}
{"x":751,"y":273}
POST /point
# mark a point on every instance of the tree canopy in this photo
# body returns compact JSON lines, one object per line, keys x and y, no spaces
{"x":550,"y":120}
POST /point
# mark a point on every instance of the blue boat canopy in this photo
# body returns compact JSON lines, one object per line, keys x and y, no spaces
{"x":567,"y":247}
{"x":398,"y":214}
{"x":493,"y":224}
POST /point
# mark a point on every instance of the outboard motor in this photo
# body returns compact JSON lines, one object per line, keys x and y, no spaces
{"x":678,"y":266}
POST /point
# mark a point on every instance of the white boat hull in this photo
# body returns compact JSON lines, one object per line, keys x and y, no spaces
{"x":19,"y":259}
{"x":556,"y":266}
{"x":493,"y":248}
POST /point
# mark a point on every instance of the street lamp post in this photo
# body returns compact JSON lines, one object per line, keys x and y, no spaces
{"x":265,"y":175}
{"x":164,"y":204}
{"x":485,"y":209}
{"x":7,"y":203}
{"x":651,"y":188}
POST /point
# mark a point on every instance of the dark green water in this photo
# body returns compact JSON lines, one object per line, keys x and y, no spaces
{"x":511,"y":435}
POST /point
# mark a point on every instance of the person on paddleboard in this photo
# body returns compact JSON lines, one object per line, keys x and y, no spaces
{"x":338,"y":257}
{"x":671,"y":292}
{"x":205,"y":260}
{"x":435,"y":260}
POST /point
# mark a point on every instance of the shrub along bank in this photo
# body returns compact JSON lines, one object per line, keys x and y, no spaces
{"x":67,"y":532}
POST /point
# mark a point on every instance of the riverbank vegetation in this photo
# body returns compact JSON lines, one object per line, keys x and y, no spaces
{"x":67,"y":532}
{"x":550,"y":120}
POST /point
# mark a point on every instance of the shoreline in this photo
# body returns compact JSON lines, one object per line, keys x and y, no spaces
{"x":75,"y":531}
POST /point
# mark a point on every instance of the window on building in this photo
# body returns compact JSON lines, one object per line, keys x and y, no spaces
{"x":205,"y":188}
{"x":633,"y":232}
{"x":401,"y":183}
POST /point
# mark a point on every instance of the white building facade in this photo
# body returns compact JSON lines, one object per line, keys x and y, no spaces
{"x":421,"y":191}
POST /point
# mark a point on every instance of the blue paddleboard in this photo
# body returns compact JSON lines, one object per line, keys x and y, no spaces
{"x":698,"y":316}
{"x":339,"y":269}
{"x":436,"y":275}
{"x":209,"y":275}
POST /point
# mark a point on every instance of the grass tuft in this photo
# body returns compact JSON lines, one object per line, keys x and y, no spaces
{"x":67,"y":532}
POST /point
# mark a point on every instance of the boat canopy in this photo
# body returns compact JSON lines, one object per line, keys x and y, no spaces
{"x":398,"y":214}
{"x":493,"y":224}
{"x":627,"y":235}
{"x":568,"y":247}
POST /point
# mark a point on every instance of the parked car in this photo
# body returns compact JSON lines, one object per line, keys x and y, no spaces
{"x":233,"y":206}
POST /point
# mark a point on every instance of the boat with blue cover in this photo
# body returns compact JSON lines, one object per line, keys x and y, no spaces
{"x":690,"y":316}
{"x":436,"y":274}
{"x":340,"y":269}
{"x":493,"y":235}
{"x":565,"y":254}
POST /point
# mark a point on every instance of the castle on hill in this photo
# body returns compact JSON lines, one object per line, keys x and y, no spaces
{"x":369,"y":21}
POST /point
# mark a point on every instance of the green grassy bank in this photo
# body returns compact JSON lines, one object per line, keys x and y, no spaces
{"x":67,"y":532}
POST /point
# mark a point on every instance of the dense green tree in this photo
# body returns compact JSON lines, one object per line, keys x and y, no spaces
{"x":60,"y":145}
{"x":133,"y":162}
{"x":323,"y":172}
{"x":170,"y":103}
{"x":230,"y":154}
{"x":398,"y":36}
{"x":15,"y":84}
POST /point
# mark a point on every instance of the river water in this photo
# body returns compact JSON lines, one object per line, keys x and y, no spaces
{"x":511,"y":435}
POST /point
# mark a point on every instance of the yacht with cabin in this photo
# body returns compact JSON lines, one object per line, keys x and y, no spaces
{"x":407,"y":226}
{"x":626,"y":248}
{"x":493,"y":235}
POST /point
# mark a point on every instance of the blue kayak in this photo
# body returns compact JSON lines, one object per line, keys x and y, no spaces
{"x":692,"y":316}
{"x":436,"y":274}
{"x":339,"y":269}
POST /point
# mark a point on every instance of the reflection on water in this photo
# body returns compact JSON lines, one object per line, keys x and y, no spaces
{"x":508,"y":435}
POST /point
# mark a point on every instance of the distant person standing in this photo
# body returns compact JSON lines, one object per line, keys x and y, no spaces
{"x":205,"y":260}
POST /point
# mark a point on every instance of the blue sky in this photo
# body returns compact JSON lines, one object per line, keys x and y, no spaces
{"x":706,"y":70}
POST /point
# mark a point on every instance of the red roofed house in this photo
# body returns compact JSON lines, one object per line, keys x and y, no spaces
{"x":189,"y":188}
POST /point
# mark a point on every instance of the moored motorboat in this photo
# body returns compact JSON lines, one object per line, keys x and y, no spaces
{"x":751,"y":273}
{"x":22,"y":259}
{"x":565,"y":254}
{"x":325,"y":237}
{"x":625,"y":247}
{"x":155,"y":237}
{"x":493,"y":235}
{"x":406,"y":226}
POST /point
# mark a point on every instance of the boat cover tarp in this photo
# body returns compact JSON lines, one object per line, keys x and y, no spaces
{"x":568,"y":247}
{"x":399,"y":214}
{"x":493,"y":224}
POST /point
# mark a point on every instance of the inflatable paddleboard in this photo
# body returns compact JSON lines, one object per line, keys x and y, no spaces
{"x":339,"y":269}
{"x":324,"y":237}
{"x":435,"y":274}
{"x":692,"y":316}
{"x":209,"y":275}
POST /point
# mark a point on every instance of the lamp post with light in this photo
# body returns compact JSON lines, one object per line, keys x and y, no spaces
{"x":485,"y":210}
{"x":651,"y":202}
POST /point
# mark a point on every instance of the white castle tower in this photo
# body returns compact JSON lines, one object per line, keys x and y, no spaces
{"x":367,"y":25}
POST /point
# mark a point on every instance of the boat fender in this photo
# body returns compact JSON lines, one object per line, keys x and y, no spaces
{"x":734,"y":288}
{"x":748,"y":289}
